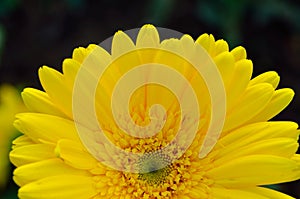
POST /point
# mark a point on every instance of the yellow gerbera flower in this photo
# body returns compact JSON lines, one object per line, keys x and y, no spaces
{"x":10,"y":104}
{"x":65,"y":154}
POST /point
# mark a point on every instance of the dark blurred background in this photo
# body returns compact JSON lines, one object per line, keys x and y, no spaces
{"x":35,"y":33}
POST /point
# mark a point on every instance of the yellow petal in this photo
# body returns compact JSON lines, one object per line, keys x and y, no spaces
{"x":70,"y":69}
{"x":225,"y":63}
{"x":196,"y":192}
{"x":249,"y":105}
{"x":22,"y":140}
{"x":31,"y":153}
{"x":55,"y":86}
{"x":284,"y":147}
{"x":190,"y":53}
{"x":38,"y":101}
{"x":239,"y":53}
{"x":62,"y":186}
{"x":95,"y":62}
{"x":270,"y":193}
{"x":90,"y":73}
{"x":121,"y":44}
{"x":79,"y":54}
{"x":260,"y":131}
{"x":172,"y":45}
{"x":43,"y":169}
{"x":255,"y":170}
{"x":296,"y":158}
{"x":221,"y":46}
{"x":270,"y":77}
{"x":148,"y":37}
{"x":279,"y":101}
{"x":188,"y":47}
{"x":223,"y":193}
{"x":46,"y":128}
{"x":240,"y":79}
{"x":207,"y":42}
{"x":82,"y":160}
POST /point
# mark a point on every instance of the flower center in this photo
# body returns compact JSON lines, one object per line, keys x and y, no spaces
{"x":154,"y":167}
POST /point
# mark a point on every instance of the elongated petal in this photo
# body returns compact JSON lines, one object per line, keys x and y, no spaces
{"x":221,"y":46}
{"x":207,"y":42}
{"x":196,"y":193}
{"x":95,"y":62}
{"x":252,"y":102}
{"x":279,"y":101}
{"x":47,"y":128}
{"x":62,"y":186}
{"x":240,"y":79}
{"x":82,"y":160}
{"x":284,"y":147}
{"x":270,"y":193}
{"x":70,"y":70}
{"x":223,"y":193}
{"x":31,"y":153}
{"x":225,"y":63}
{"x":270,"y":77}
{"x":79,"y":54}
{"x":260,"y":131}
{"x":296,"y":158}
{"x":22,"y":140}
{"x":256,"y":170}
{"x":148,"y":37}
{"x":239,"y":53}
{"x":43,"y":169}
{"x":121,"y":44}
{"x":62,"y":97}
{"x":188,"y":45}
{"x":38,"y":101}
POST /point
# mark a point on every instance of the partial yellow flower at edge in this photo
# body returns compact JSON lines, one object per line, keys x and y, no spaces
{"x":251,"y":152}
{"x":10,"y":104}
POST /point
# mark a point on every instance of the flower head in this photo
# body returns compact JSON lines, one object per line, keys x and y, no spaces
{"x":127,"y":154}
{"x":10,"y":104}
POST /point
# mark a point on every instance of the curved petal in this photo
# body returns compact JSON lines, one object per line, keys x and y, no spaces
{"x":43,"y":169}
{"x":279,"y":101}
{"x":250,"y":104}
{"x":22,"y":140}
{"x":39,"y":101}
{"x":221,"y":46}
{"x":31,"y":153}
{"x":225,"y":63}
{"x":270,"y":77}
{"x":270,"y":193}
{"x":240,"y":79}
{"x":46,"y":128}
{"x":55,"y":86}
{"x":255,"y":170}
{"x":260,"y":131}
{"x":223,"y":193}
{"x":62,"y":186}
{"x":284,"y":147}
{"x":70,"y":69}
{"x":207,"y":42}
{"x":196,"y":193}
{"x":121,"y":44}
{"x":79,"y":54}
{"x":148,"y":37}
{"x":239,"y":53}
{"x":82,"y":160}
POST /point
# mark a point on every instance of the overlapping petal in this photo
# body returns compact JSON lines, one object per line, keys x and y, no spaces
{"x":252,"y":151}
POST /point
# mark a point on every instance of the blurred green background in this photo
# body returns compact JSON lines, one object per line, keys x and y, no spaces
{"x":34,"y":33}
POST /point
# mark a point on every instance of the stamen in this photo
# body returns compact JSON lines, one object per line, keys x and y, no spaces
{"x":154,"y":168}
